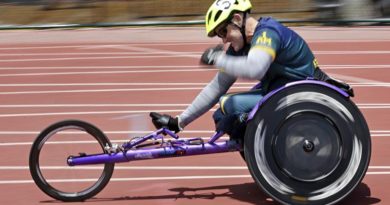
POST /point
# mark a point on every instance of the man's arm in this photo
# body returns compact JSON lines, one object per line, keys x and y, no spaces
{"x":254,"y":66}
{"x":207,"y":98}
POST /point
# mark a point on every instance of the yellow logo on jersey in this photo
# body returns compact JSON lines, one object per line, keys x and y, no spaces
{"x":315,"y":63}
{"x":263,"y":39}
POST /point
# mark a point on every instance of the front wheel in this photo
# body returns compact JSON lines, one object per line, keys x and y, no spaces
{"x":308,"y":144}
{"x":48,"y":161}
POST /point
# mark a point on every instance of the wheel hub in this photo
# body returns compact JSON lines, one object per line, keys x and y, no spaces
{"x":307,"y":147}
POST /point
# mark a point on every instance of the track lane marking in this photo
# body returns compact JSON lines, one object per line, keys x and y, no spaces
{"x":325,"y":67}
{"x":360,"y":105}
{"x":117,"y":112}
{"x":146,"y":53}
{"x":120,"y":167}
{"x":108,"y":72}
{"x":7,"y":182}
{"x":374,"y":134}
{"x":145,"y":131}
{"x":364,"y":84}
{"x":151,"y":89}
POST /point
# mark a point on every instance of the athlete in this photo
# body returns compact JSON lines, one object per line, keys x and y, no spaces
{"x":262,"y":50}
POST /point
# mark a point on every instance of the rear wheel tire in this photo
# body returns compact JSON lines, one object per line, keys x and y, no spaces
{"x":308,"y":144}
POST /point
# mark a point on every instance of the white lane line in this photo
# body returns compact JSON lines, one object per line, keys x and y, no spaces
{"x":7,"y":182}
{"x":354,"y":79}
{"x":111,"y":90}
{"x":119,"y":167}
{"x":101,"y":67}
{"x":346,"y":66}
{"x":108,"y":72}
{"x":366,"y":52}
{"x":102,"y":58}
{"x":110,"y":84}
{"x":111,"y":132}
{"x":153,"y":52}
{"x":384,"y":84}
{"x":88,"y":113}
{"x":132,"y":112}
{"x":360,"y":105}
{"x":129,"y":179}
{"x":116,"y":72}
{"x":5,"y":144}
{"x":120,"y":90}
{"x":143,"y":53}
{"x":92,"y":46}
{"x":380,"y":131}
{"x":90,"y":105}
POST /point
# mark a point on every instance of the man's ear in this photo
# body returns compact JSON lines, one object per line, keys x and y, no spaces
{"x":237,"y":19}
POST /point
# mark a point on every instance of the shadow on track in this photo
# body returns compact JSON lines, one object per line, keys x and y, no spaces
{"x":247,"y":192}
{"x":360,"y":196}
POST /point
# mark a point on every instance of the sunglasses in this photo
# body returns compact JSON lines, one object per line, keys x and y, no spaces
{"x":221,"y":31}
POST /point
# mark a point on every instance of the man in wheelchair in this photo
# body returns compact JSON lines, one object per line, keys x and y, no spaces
{"x":263,"y":50}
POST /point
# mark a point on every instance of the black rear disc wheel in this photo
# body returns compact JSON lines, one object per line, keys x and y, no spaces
{"x":308,"y":144}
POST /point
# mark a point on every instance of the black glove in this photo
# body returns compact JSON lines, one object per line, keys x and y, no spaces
{"x":165,"y":121}
{"x":210,"y":55}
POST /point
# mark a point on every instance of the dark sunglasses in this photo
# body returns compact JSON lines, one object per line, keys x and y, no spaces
{"x":222,"y":30}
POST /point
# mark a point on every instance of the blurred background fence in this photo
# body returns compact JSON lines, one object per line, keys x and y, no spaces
{"x":147,"y":12}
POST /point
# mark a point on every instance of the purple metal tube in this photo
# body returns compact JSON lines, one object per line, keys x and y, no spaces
{"x":162,"y":152}
{"x":216,"y":136}
{"x":270,"y":94}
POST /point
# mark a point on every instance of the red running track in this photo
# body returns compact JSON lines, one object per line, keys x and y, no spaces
{"x":114,"y":77}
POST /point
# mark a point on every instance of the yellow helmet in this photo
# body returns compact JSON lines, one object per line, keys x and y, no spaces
{"x":221,"y":11}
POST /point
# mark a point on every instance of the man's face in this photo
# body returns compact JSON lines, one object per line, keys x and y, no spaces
{"x":230,"y":33}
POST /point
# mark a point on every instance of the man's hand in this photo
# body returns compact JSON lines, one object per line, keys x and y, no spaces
{"x":210,"y":55}
{"x":166,"y":121}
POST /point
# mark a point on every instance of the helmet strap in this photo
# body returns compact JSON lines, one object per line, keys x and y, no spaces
{"x":242,"y":27}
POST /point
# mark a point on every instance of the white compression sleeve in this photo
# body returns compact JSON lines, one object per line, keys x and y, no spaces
{"x":207,"y":98}
{"x":254,"y":66}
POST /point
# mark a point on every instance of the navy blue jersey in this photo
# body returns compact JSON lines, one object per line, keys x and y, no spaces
{"x":292,"y":58}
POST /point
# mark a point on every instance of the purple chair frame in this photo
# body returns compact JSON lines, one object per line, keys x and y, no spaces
{"x":175,"y":148}
{"x":133,"y":150}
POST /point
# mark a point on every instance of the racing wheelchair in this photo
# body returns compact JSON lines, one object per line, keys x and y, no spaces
{"x":305,"y":143}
